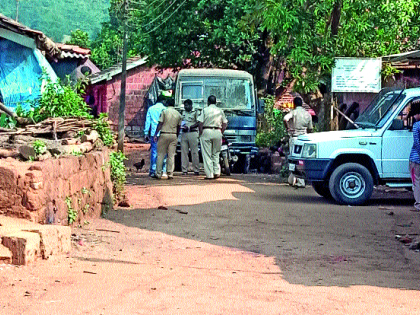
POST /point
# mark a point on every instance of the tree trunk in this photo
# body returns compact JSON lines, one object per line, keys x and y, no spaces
{"x":335,"y":17}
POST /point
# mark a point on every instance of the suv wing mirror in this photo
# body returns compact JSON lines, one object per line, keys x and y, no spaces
{"x":397,"y":124}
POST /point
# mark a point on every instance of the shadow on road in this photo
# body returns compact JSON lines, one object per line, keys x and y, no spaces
{"x":315,"y":241}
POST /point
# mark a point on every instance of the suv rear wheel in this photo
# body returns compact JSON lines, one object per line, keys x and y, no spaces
{"x":351,"y":184}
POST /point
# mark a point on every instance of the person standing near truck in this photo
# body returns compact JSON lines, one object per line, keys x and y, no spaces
{"x":298,"y":122}
{"x":414,"y":160}
{"x":189,"y":138}
{"x":152,"y":121}
{"x":211,"y":123}
{"x":169,"y":127}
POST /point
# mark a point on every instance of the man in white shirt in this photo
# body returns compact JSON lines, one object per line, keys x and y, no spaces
{"x":298,"y":122}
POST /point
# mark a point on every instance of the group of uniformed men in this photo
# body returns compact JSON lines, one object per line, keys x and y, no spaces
{"x":164,"y":124}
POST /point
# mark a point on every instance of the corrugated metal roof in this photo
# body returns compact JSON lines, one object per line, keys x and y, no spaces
{"x":109,"y":73}
{"x":403,"y":57}
{"x":43,"y":42}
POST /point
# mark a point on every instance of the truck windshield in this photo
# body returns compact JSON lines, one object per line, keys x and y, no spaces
{"x":231,"y":93}
{"x":378,"y":112}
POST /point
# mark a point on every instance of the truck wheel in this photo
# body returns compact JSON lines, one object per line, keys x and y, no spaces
{"x":351,"y":184}
{"x":322,"y":189}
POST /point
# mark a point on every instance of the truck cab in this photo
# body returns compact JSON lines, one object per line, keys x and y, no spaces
{"x":236,"y":95}
{"x":346,"y":165}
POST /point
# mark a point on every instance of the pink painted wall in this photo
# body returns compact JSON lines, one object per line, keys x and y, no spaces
{"x":138,"y":83}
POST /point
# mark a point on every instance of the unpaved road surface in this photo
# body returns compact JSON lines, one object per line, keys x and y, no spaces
{"x":239,"y":245}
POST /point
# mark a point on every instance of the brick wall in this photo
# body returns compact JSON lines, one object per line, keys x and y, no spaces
{"x":138,"y":83}
{"x":37,"y":191}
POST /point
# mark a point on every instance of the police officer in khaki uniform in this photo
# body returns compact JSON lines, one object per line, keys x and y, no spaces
{"x":169,"y":127}
{"x":212,"y":124}
{"x":189,"y":138}
{"x":298,"y":122}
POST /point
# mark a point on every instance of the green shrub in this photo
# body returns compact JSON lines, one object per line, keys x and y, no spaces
{"x":57,"y":100}
{"x":118,"y":172}
{"x":104,"y":130}
{"x":272,"y":129}
{"x":6,"y":121}
{"x":39,"y":147}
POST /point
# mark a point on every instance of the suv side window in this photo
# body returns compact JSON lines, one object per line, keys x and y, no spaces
{"x":404,"y":117}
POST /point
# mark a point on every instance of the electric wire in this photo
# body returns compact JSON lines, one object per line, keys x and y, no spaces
{"x":154,"y":29}
{"x":160,"y":15}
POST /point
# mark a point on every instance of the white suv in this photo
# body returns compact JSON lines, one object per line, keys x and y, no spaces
{"x":345,"y":165}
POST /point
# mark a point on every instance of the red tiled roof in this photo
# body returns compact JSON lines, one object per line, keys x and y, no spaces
{"x":73,"y":51}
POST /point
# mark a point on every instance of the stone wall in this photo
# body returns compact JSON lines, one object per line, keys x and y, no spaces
{"x":43,"y":192}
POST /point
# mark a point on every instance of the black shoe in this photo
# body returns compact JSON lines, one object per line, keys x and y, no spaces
{"x":196,"y":173}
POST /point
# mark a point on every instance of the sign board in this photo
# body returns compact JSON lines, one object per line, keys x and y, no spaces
{"x":357,"y":75}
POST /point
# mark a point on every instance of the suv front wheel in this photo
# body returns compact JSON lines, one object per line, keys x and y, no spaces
{"x":351,"y":184}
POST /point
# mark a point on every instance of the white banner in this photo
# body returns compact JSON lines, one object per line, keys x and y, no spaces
{"x":357,"y":75}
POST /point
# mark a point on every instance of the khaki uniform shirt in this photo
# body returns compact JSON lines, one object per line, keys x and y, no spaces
{"x":212,"y":116}
{"x":299,"y":121}
{"x":170,"y":119}
{"x":189,"y":118}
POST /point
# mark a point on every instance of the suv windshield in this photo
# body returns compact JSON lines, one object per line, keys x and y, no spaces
{"x":378,"y":112}
{"x":235,"y":94}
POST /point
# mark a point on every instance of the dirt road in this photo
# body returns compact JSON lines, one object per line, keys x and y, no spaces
{"x":241,"y":245}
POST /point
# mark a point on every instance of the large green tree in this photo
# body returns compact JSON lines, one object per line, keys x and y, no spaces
{"x":205,"y":33}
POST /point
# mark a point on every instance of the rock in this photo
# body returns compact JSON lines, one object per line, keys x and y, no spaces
{"x":25,"y":247}
{"x":5,"y":255}
{"x":27,"y":152}
{"x":8,"y":153}
{"x":55,"y":239}
{"x":124,"y":203}
{"x":91,"y":137}
{"x":71,"y":141}
{"x":45,"y":156}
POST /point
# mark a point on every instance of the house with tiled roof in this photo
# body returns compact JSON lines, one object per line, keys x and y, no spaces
{"x":74,"y":62}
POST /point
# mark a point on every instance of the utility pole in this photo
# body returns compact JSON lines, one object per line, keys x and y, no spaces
{"x":17,"y":10}
{"x":121,"y":117}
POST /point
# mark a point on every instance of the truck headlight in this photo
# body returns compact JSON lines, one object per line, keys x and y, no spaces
{"x":309,"y":150}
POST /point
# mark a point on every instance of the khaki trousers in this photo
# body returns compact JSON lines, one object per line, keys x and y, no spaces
{"x":415,"y":178}
{"x":211,"y":141}
{"x":166,"y":146}
{"x":293,"y":180}
{"x":189,"y":141}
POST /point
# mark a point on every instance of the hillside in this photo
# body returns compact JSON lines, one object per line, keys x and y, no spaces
{"x":57,"y":18}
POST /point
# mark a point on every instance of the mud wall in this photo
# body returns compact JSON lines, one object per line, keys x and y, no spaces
{"x":47,"y":191}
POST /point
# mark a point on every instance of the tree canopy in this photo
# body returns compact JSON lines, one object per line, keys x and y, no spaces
{"x":299,"y":37}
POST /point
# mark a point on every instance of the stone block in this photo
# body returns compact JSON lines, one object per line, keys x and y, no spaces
{"x":5,"y":255}
{"x":25,"y":247}
{"x":54,"y":239}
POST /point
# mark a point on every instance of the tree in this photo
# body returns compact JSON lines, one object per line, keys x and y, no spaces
{"x":79,"y":38}
{"x":307,"y":35}
{"x":184,"y":33}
